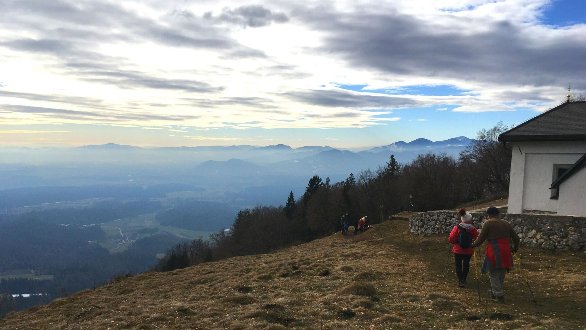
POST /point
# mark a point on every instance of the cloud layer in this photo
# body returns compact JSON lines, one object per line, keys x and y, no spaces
{"x":276,"y":64}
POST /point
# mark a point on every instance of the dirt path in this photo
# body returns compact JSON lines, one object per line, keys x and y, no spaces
{"x":382,"y":279}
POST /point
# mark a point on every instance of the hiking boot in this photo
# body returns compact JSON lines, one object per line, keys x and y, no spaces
{"x":492,"y":296}
{"x":500,"y":299}
{"x":462,"y":284}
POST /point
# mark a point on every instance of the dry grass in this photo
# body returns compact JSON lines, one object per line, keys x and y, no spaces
{"x":382,"y":279}
{"x":483,"y":205}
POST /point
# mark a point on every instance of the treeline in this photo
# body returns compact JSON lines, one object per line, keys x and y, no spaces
{"x":183,"y":214}
{"x":429,"y":182}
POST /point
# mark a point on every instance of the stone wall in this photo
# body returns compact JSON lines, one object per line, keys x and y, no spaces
{"x":549,"y":232}
{"x":438,"y":222}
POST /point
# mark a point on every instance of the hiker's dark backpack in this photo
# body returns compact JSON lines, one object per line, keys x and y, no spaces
{"x":464,"y":238}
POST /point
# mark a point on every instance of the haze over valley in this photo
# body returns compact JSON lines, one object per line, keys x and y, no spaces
{"x":74,"y":218}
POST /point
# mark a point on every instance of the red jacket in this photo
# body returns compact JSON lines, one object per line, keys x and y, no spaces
{"x":500,"y":235}
{"x":498,"y":255}
{"x":453,"y":238}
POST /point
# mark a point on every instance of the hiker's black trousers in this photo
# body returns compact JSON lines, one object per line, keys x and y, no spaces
{"x":462,"y":262}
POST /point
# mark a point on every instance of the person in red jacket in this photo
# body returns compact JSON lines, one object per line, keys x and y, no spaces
{"x":361,"y":225}
{"x":462,"y":254}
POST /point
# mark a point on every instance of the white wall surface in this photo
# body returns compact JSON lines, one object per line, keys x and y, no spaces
{"x":532,"y":172}
{"x":572,"y":198}
{"x":517,"y":177}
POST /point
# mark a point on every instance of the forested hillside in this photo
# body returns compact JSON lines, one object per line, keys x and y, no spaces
{"x":429,"y":182}
{"x":52,"y":250}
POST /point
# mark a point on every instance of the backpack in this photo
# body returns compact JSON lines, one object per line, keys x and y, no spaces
{"x":464,"y":238}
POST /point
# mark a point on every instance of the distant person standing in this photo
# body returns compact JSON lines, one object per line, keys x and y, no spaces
{"x":344,"y":223}
{"x":498,"y":260}
{"x":461,"y":238}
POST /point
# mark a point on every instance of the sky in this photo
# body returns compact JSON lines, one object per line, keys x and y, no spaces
{"x":347,"y":73}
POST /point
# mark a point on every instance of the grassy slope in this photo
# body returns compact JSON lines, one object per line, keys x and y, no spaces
{"x":384,"y":278}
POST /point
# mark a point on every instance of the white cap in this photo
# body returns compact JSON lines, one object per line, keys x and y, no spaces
{"x":466,"y":217}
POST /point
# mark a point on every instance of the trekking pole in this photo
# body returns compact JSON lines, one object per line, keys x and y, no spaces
{"x":518,"y":262}
{"x":450,"y":260}
{"x":475,"y":265}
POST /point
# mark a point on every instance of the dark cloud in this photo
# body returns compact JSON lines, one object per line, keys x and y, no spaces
{"x":107,"y":116}
{"x":251,"y":16}
{"x":521,"y":95}
{"x":81,"y":101}
{"x":37,"y":46}
{"x":252,"y":123}
{"x":345,"y":114}
{"x":66,"y":27}
{"x":69,"y":30}
{"x":134,"y":79}
{"x":406,"y":45}
{"x":49,"y":112}
{"x":147,"y":117}
{"x":21,"y":10}
{"x":69,"y":20}
{"x":93,"y":66}
{"x":332,"y":98}
{"x":253,"y":102}
{"x":244,"y":52}
{"x":185,"y":38}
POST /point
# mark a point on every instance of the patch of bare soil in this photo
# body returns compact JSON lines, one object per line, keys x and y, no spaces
{"x":384,"y":278}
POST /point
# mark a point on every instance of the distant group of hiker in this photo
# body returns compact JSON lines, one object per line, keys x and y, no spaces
{"x":359,"y":226}
{"x":501,"y":239}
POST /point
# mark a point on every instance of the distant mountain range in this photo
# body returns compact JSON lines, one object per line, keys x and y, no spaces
{"x":220,"y":172}
{"x":399,"y":146}
{"x":238,"y":160}
{"x":258,"y":162}
{"x":424,"y":144}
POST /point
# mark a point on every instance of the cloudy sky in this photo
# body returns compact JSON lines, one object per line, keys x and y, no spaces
{"x":348,"y":73}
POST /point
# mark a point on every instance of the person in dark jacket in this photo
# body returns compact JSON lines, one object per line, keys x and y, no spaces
{"x":502,"y":242}
{"x":462,"y":255}
{"x":344,"y":222}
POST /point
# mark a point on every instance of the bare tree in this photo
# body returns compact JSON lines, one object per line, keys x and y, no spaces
{"x":489,"y":161}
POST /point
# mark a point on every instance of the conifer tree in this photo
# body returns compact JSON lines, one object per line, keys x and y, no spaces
{"x":290,"y":206}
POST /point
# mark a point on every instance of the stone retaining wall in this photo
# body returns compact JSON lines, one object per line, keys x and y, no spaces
{"x":549,"y":232}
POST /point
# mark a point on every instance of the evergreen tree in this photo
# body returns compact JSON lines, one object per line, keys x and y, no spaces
{"x":350,"y":181}
{"x":312,"y":186}
{"x":392,"y":168}
{"x":290,"y":206}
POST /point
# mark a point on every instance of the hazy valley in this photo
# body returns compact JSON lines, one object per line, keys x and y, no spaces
{"x":74,"y":218}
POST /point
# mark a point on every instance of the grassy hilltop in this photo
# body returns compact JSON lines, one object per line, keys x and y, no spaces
{"x":382,"y":279}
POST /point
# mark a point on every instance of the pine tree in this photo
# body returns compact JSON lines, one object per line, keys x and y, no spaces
{"x":290,"y":206}
{"x":312,"y":187}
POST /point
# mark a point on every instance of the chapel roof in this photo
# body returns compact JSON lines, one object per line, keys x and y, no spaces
{"x":566,"y":122}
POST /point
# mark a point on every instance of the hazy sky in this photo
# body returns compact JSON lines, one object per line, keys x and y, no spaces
{"x":344,"y":73}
